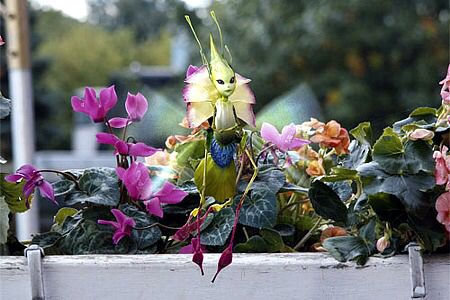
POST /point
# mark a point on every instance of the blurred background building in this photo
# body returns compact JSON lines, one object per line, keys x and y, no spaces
{"x":348,"y":60}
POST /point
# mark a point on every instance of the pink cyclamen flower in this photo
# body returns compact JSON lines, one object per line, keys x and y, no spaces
{"x":123,"y":226}
{"x":33,"y":180}
{"x":139,"y":186}
{"x":123,"y":148}
{"x":95,"y":108}
{"x":442,"y":168}
{"x":443,"y":208}
{"x":168,"y":194}
{"x":136,"y":106}
{"x":2,"y":42}
{"x":137,"y":180}
{"x":286,"y":140}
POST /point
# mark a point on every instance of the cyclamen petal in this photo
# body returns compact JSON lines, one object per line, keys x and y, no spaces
{"x":170,"y":194}
{"x":108,"y":97}
{"x":119,"y":122}
{"x":47,"y":191}
{"x":136,"y":106}
{"x":153,"y":207}
{"x":286,"y":140}
{"x":141,"y":149}
{"x":123,"y":225}
{"x":106,"y":138}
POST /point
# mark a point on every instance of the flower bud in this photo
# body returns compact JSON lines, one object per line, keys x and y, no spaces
{"x":421,"y":134}
{"x":382,"y":244}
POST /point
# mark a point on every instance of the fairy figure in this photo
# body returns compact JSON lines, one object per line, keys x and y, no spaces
{"x":215,"y":93}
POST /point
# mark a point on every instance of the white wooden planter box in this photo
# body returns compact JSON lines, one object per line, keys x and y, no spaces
{"x":251,"y":276}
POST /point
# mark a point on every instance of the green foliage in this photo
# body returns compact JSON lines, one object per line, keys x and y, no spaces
{"x":13,"y":196}
{"x":217,"y":232}
{"x":269,"y":241}
{"x":326,"y":202}
{"x":96,"y":185}
{"x":362,"y":133}
{"x":63,"y":213}
{"x":259,"y":209}
{"x":344,"y":248}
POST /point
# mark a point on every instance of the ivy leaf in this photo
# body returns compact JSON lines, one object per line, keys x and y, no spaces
{"x":13,"y":195}
{"x":270,"y":176}
{"x":98,"y":186}
{"x":63,"y":187}
{"x":326,"y":202}
{"x":144,"y":238}
{"x":216,"y":234}
{"x":344,"y":248}
{"x":259,"y":209}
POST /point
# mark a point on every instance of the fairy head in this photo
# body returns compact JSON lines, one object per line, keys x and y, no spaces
{"x":222,"y":75}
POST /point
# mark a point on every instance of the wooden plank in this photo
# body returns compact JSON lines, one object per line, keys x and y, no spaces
{"x":251,"y":276}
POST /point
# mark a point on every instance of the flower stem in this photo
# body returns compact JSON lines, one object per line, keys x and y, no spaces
{"x":64,"y":174}
{"x":308,"y":235}
{"x":157,"y":224}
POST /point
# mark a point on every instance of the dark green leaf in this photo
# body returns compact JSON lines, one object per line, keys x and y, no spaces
{"x":345,"y":248}
{"x":326,"y":202}
{"x":357,"y":156}
{"x":273,"y":239}
{"x":216,"y":234}
{"x":368,"y":233}
{"x":289,"y":187}
{"x":260,"y":209}
{"x":255,"y":244}
{"x":48,"y":241}
{"x":63,"y":187}
{"x":342,"y":188}
{"x":421,"y":115}
{"x":98,"y":186}
{"x":388,"y":208}
{"x":270,"y":176}
{"x":339,"y":174}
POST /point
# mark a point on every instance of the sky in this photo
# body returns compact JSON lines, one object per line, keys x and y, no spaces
{"x":78,"y":9}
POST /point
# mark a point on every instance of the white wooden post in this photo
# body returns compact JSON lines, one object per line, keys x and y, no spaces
{"x":18,"y":50}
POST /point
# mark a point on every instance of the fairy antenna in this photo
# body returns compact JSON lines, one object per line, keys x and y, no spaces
{"x":229,"y":54}
{"x":202,"y":54}
{"x":213,"y":16}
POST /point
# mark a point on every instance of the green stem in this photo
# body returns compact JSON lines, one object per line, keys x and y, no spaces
{"x":307,"y":235}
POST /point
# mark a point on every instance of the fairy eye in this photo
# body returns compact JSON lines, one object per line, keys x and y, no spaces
{"x":220,"y":81}
{"x":232,"y":80}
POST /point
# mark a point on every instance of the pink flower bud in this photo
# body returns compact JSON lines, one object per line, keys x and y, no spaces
{"x":382,"y":244}
{"x":421,"y":134}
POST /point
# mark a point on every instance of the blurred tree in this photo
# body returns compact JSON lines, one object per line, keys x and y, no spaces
{"x":366,"y":60}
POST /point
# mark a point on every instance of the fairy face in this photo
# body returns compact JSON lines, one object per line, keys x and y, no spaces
{"x":223,"y":78}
